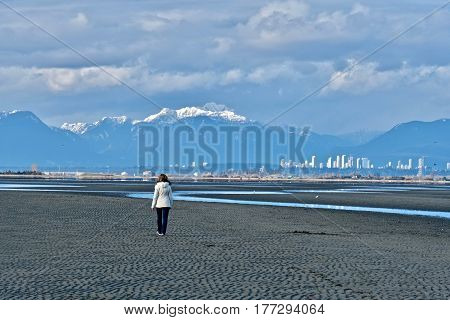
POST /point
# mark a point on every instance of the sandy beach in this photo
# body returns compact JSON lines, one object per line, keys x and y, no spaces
{"x":90,"y":246}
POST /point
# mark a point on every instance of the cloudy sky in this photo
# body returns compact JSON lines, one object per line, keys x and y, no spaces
{"x":258,"y":57}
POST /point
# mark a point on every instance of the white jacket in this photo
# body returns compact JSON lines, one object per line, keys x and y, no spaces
{"x":163,"y":195}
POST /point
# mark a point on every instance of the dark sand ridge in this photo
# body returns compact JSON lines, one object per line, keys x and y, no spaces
{"x":80,"y":246}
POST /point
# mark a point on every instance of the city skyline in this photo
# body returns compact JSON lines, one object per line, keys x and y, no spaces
{"x":344,"y":161}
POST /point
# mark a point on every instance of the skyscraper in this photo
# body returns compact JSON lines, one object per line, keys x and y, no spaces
{"x":410,"y":164}
{"x":358,"y":163}
{"x":365,"y":163}
{"x":330,"y":163}
{"x":338,"y":162}
{"x":313,"y":162}
{"x":421,"y":162}
{"x":343,"y":164}
{"x":421,"y":166}
{"x":350,"y":162}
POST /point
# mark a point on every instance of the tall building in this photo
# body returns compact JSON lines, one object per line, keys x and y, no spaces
{"x":358,"y":163}
{"x":448,"y":166}
{"x":350,"y":162}
{"x":338,"y":161}
{"x":330,"y":163}
{"x":313,"y":162}
{"x":410,"y":166}
{"x":421,"y":166}
{"x":343,"y":161}
{"x":365,"y":163}
{"x":421,"y":162}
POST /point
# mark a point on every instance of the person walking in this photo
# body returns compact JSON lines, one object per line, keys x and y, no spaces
{"x":162,"y":202}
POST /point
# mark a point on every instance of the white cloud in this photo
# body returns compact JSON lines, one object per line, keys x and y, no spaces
{"x":362,"y":79}
{"x":292,"y":21}
{"x":276,"y":11}
{"x":359,"y":8}
{"x":60,"y":79}
{"x":368,"y":77}
{"x":270,"y":72}
{"x":155,"y":21}
{"x":63,"y":79}
{"x":232,"y":76}
{"x":139,"y":76}
{"x":80,"y":20}
{"x":66,"y":79}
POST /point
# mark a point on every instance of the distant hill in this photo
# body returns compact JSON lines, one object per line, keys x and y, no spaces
{"x":411,"y":140}
{"x":25,"y":139}
{"x":359,"y":137}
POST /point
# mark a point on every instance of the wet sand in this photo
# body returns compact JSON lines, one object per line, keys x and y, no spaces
{"x":90,"y":246}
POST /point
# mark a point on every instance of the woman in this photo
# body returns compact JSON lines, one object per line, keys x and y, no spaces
{"x":162,"y":201}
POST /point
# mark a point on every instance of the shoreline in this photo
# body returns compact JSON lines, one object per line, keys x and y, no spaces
{"x":118,"y":178}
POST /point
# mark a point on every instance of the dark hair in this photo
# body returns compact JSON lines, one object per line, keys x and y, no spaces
{"x":163,"y":178}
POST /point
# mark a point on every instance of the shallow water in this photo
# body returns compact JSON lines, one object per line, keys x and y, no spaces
{"x":369,"y":189}
{"x":195,"y":196}
{"x":333,"y":191}
{"x":185,"y":196}
{"x":9,"y":186}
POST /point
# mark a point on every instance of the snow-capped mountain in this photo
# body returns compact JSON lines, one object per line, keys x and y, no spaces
{"x":83,"y":127}
{"x":209,"y":112}
{"x":4,"y":114}
{"x":166,"y":115}
{"x":77,"y":127}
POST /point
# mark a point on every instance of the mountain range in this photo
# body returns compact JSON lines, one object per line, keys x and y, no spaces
{"x":112,"y":141}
